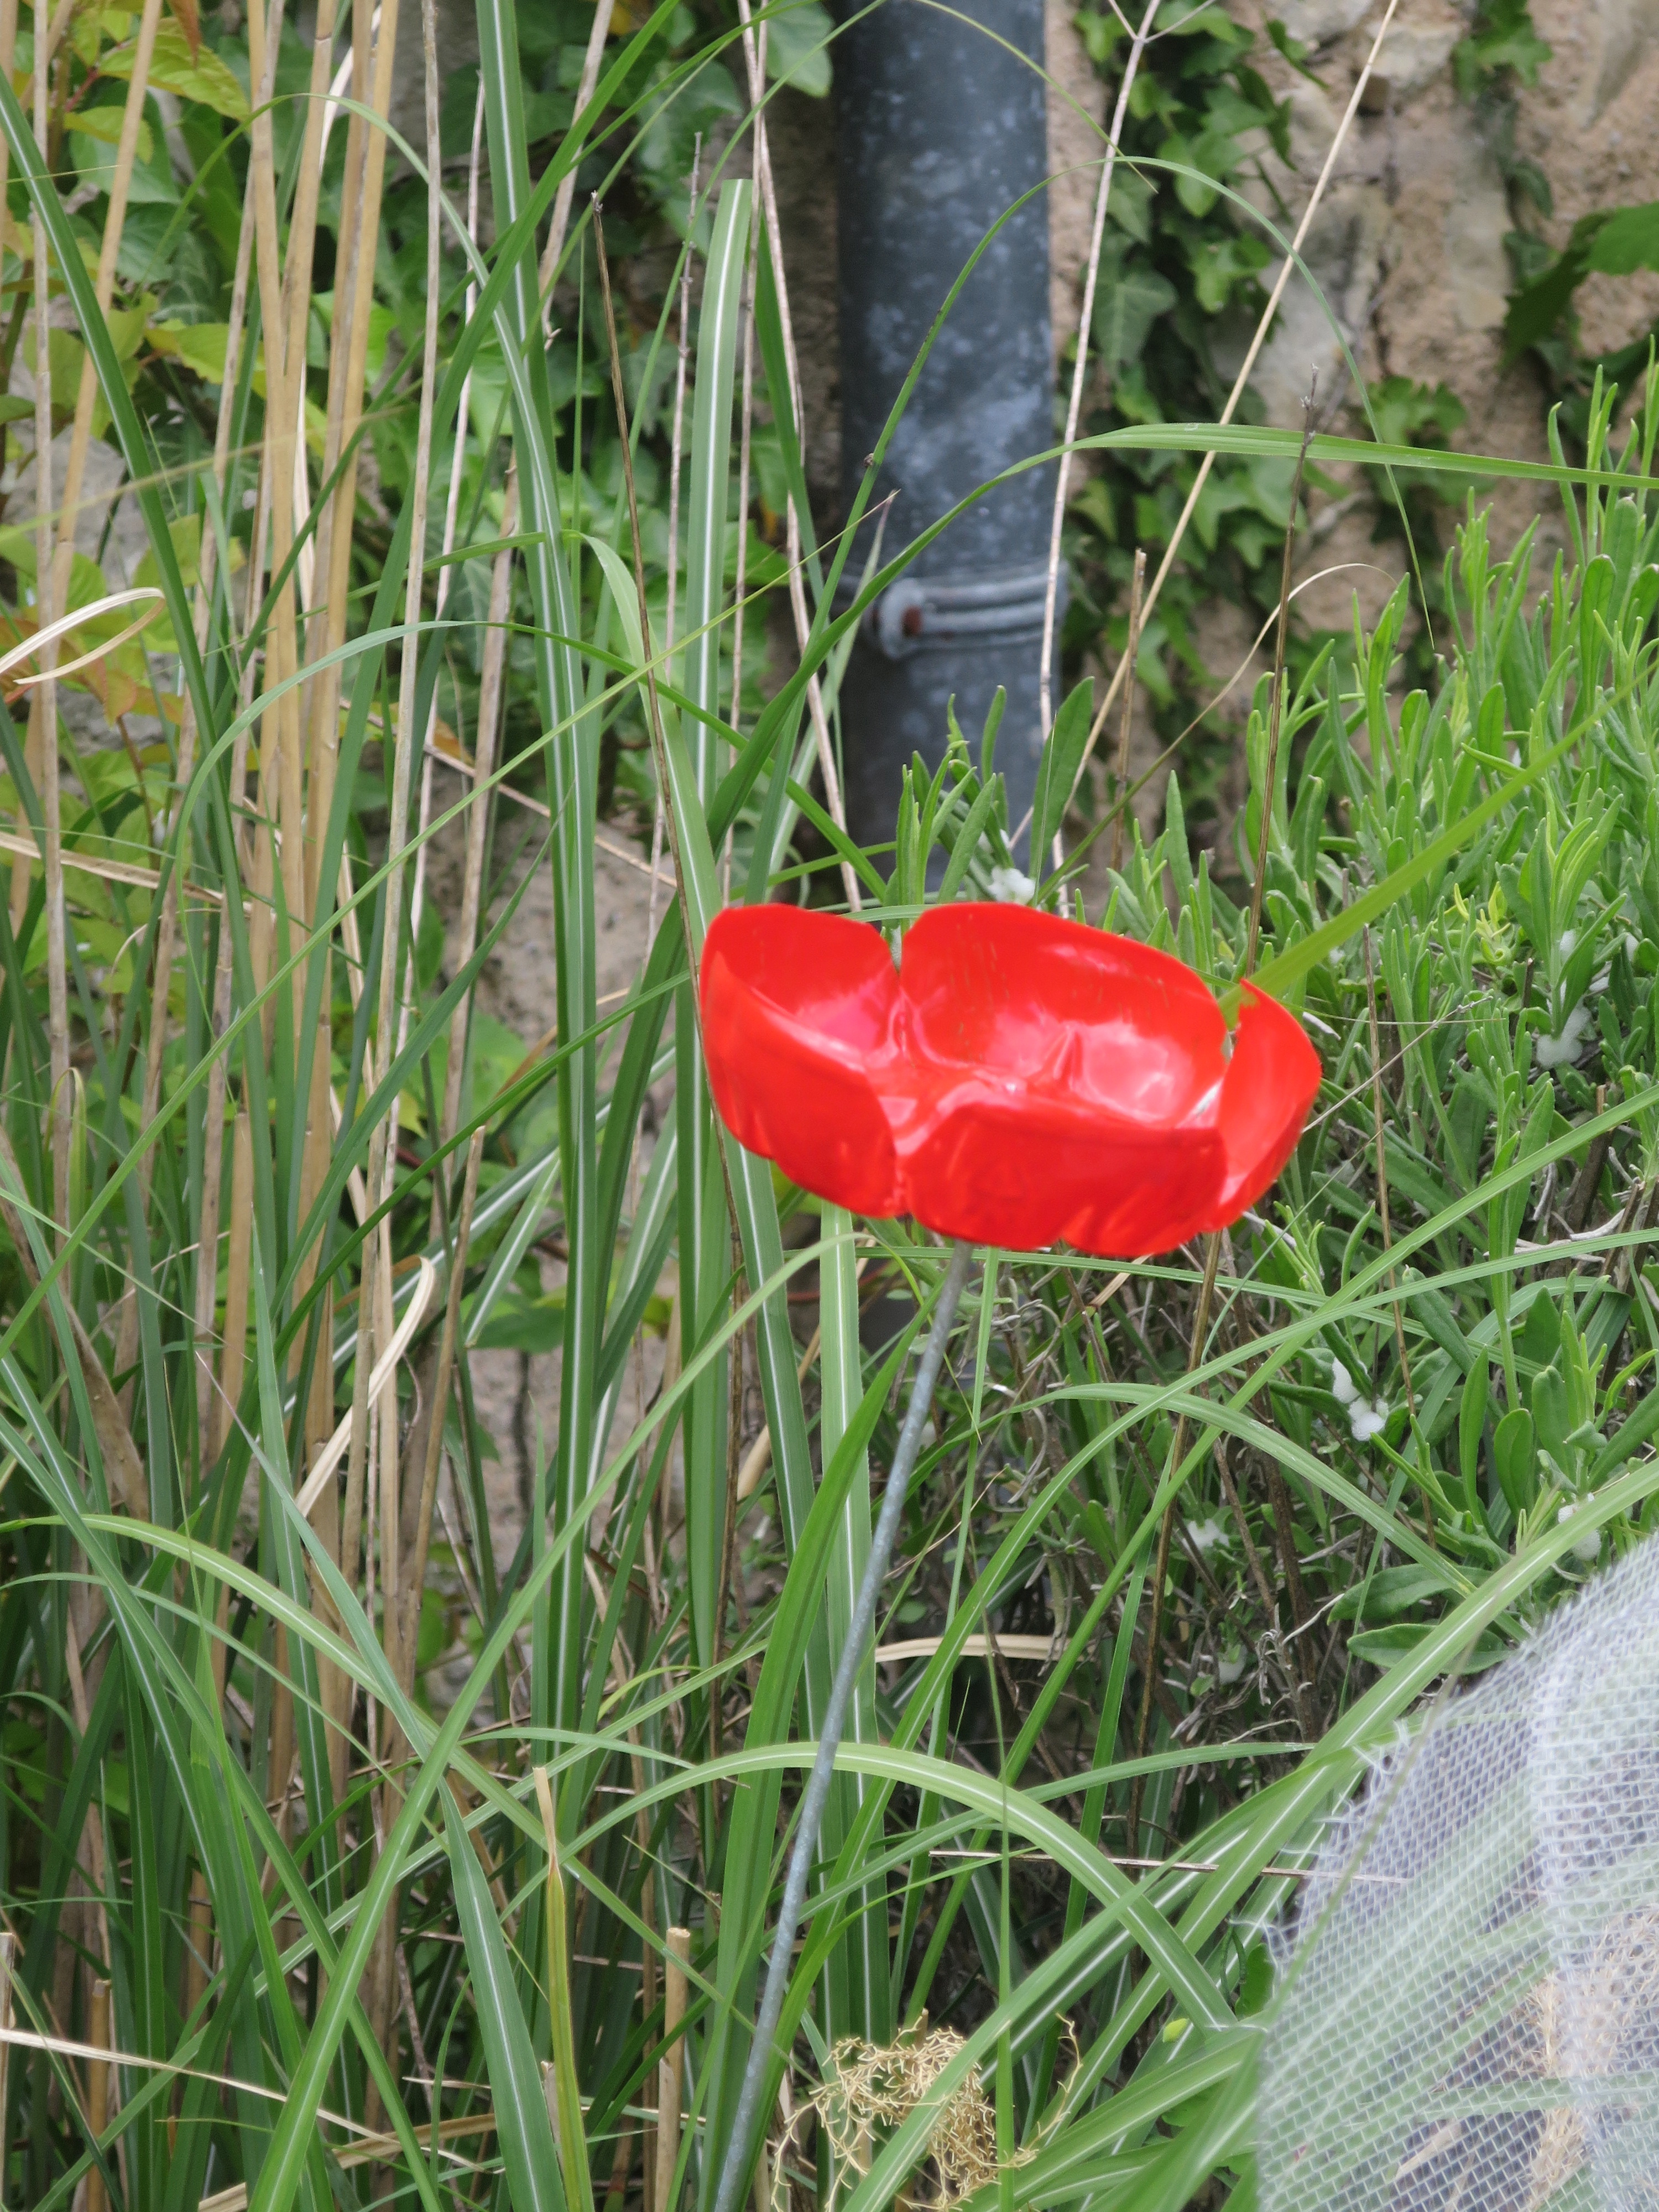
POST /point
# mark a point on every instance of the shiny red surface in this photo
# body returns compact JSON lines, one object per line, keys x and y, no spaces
{"x":1023,"y":1081}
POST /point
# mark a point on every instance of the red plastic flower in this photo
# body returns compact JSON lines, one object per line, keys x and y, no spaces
{"x":1019,"y":1081}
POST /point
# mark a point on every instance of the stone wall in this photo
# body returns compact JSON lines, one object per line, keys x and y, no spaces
{"x":1409,"y":243}
{"x":1409,"y":247}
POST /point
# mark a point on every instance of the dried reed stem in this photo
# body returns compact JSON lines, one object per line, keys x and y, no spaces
{"x":43,"y":717}
{"x":8,"y":1941}
{"x":1242,"y":380}
{"x":754,"y":53}
{"x":1120,"y":797}
{"x":1079,"y":380}
{"x":1382,"y":1173}
{"x":98,"y":2086}
{"x":206,"y":1272}
{"x":670,"y":2068}
{"x":1276,"y":698}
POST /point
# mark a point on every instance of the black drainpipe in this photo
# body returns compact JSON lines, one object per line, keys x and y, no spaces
{"x":940,"y":128}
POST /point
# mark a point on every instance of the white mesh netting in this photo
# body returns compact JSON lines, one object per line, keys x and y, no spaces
{"x":1472,"y":2023}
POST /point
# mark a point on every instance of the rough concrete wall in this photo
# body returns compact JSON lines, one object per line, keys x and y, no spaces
{"x":1077,"y":138}
{"x":803,"y":136}
{"x":1408,"y":245}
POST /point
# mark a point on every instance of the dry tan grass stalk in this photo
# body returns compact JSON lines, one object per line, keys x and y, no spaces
{"x":670,"y":2069}
{"x":166,"y":933}
{"x":281,"y":792}
{"x":587,"y":84}
{"x":98,"y":2086}
{"x":754,"y":58}
{"x":301,"y":253}
{"x":380,"y":1379}
{"x":42,"y":743}
{"x":255,"y":845}
{"x":354,"y":288}
{"x":1594,"y":2022}
{"x":382,"y":1991}
{"x":392,"y":1001}
{"x":8,"y":1941}
{"x":330,"y":560}
{"x":348,"y":366}
{"x":83,"y":864}
{"x":1080,"y":371}
{"x":366,"y":2151}
{"x":1131,"y":646}
{"x":451,"y":511}
{"x":126,"y":152}
{"x":333,"y":1685}
{"x":446,"y":572}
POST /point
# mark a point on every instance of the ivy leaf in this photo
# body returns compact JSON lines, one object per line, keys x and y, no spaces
{"x":1218,"y":265}
{"x":1615,"y":244}
{"x":1627,"y":241}
{"x":797,"y":47}
{"x":1503,"y":39}
{"x":1293,"y":50}
{"x":1131,"y":203}
{"x":1129,"y":303}
{"x":1537,"y":307}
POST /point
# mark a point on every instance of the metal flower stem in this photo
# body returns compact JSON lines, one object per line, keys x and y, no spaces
{"x":835,"y":1720}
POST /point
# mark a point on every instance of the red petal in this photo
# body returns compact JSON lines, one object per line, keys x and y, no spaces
{"x":797,"y":1018}
{"x":1271,"y":1080}
{"x":1025,"y":1172}
{"x":1073,"y":1078}
{"x":1024,"y":1080}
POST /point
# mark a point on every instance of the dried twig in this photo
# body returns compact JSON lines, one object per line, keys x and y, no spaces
{"x":1080,"y":378}
{"x":1382,"y":1173}
{"x":1165,"y":1534}
{"x":670,"y":2068}
{"x":754,"y":54}
{"x":1241,"y":382}
{"x":1131,"y":646}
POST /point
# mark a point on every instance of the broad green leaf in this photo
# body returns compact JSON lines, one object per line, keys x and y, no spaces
{"x":200,"y":76}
